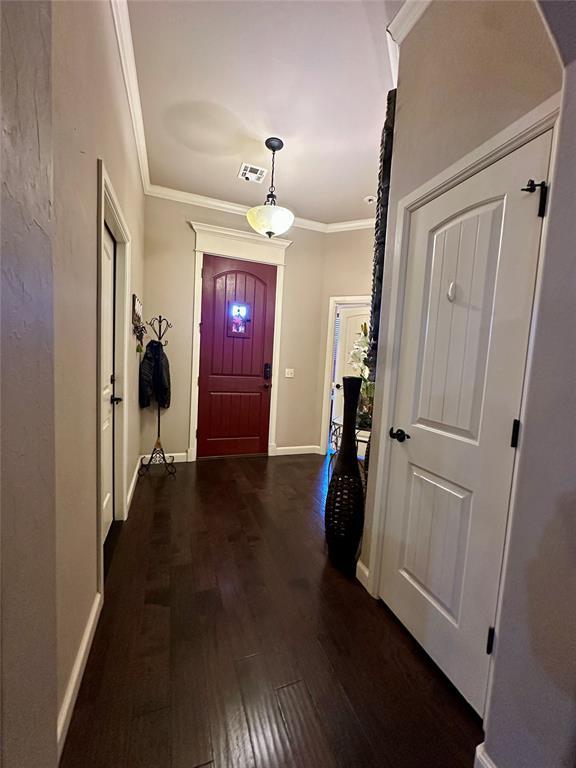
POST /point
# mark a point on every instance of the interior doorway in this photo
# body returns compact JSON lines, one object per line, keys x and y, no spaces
{"x":471,"y":258}
{"x":346,"y":317}
{"x":109,"y":401}
{"x":236,"y":348}
{"x":113,"y":335}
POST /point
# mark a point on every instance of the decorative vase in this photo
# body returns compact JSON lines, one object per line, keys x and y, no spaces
{"x":344,"y":513}
{"x":367,"y":458}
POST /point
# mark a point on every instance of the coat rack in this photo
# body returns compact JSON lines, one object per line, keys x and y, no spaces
{"x":159,"y":326}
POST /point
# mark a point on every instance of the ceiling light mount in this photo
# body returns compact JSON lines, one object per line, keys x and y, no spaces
{"x":274,"y":144}
{"x":271,"y":219}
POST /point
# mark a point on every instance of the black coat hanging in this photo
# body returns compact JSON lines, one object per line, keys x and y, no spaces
{"x":154,"y":384}
{"x":154,"y":380}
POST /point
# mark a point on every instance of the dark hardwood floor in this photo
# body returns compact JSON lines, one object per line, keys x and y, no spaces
{"x":227,"y":640}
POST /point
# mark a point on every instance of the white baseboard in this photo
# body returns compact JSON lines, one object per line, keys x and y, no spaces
{"x":294,"y":450}
{"x":132,"y":487}
{"x":362,"y":574}
{"x":65,"y":713}
{"x":482,"y":759}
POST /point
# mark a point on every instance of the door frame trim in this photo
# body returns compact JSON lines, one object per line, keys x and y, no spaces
{"x":333,"y":302}
{"x":110,"y":214}
{"x":243,"y":246}
{"x":536,"y":122}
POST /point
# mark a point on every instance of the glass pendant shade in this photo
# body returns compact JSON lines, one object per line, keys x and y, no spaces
{"x":270,"y":220}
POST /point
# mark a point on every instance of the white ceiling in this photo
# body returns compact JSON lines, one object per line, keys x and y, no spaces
{"x":216,"y":78}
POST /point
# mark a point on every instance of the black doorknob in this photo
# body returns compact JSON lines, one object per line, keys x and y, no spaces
{"x":115,"y":400}
{"x":399,"y":435}
{"x":338,"y":386}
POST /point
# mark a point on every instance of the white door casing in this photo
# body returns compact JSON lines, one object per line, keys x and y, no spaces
{"x":106,"y":386}
{"x":109,"y":216}
{"x":246,"y":246}
{"x":335,"y":303}
{"x":471,"y":269}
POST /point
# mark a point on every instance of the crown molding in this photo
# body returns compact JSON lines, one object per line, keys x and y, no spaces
{"x":128,"y":61}
{"x":406,"y":19}
{"x":349,"y":226}
{"x":189,"y":198}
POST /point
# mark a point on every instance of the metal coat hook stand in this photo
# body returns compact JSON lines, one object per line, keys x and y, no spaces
{"x":159,"y":326}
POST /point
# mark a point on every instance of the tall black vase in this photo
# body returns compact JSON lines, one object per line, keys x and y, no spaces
{"x":344,"y":514}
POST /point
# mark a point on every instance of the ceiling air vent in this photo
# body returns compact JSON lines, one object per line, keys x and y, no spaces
{"x":252,"y":173}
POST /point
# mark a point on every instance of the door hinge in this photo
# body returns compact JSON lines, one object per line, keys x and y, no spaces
{"x":490,"y":640}
{"x":515,"y":433}
{"x":531,"y":187}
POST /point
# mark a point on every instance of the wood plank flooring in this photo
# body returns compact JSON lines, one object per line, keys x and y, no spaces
{"x":227,"y":640}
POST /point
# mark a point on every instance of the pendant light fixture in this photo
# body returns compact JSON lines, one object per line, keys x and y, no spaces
{"x":271,"y":219}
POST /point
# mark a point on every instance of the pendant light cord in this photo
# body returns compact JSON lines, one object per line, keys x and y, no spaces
{"x":272,"y":188}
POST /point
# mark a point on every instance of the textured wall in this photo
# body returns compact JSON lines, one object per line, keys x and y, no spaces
{"x":28,"y":656}
{"x":91,"y":121}
{"x":317,"y":266}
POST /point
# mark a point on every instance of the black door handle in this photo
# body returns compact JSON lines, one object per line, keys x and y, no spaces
{"x":338,"y":386}
{"x":115,"y":400}
{"x":399,"y":435}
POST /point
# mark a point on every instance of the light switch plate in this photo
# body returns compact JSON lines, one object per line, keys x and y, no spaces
{"x":289,"y":373}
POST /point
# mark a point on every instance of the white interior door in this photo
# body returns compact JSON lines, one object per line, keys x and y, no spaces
{"x":472,"y":261}
{"x":106,"y":385}
{"x":349,"y":323}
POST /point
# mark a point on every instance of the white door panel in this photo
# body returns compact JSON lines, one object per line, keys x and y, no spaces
{"x":351,"y":320}
{"x":472,"y":260}
{"x":106,"y":386}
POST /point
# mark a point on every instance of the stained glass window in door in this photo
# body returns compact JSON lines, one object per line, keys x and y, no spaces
{"x":239,"y":319}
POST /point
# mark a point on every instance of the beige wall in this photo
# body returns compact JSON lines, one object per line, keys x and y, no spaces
{"x":467,"y":70}
{"x":299,"y":407}
{"x":317,"y":266}
{"x":28,"y":617}
{"x":348,"y":264}
{"x":91,"y":121}
{"x":348,"y":259}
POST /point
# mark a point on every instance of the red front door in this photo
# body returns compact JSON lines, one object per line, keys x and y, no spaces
{"x":236,"y":342}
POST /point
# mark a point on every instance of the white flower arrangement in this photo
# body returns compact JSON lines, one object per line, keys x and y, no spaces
{"x":359,"y":353}
{"x":357,"y":360}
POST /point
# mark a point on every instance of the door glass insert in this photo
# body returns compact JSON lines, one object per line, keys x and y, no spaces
{"x":239,"y":318}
